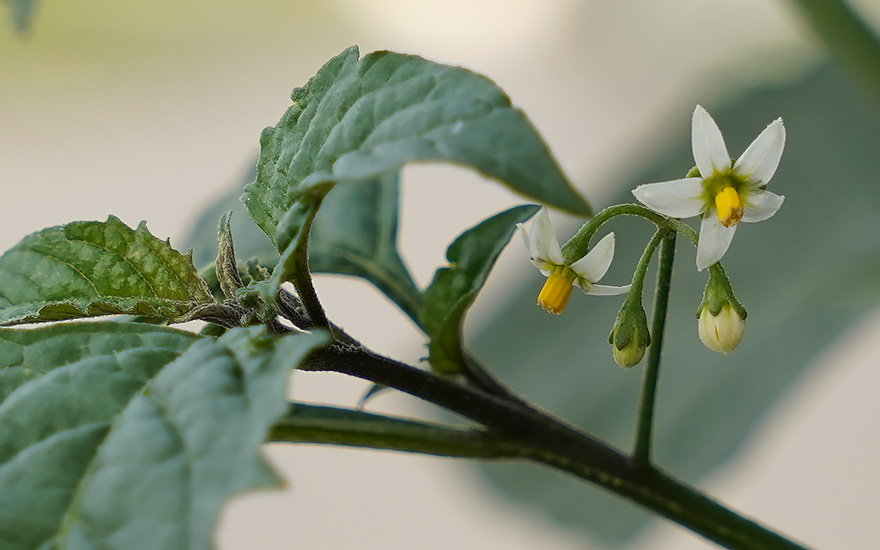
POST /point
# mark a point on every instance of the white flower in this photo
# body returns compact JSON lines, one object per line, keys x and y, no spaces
{"x":546,"y":255}
{"x":727,"y":192}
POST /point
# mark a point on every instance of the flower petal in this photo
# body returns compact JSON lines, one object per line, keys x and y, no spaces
{"x":714,"y":240}
{"x":710,"y":153}
{"x":761,"y":205}
{"x":595,"y":264}
{"x":607,"y":290}
{"x":759,"y":161}
{"x":543,"y":245}
{"x":676,"y":198}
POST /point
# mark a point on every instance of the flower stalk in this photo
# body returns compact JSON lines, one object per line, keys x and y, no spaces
{"x":645,"y":423}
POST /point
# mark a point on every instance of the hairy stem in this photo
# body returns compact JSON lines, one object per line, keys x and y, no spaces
{"x":644,"y":428}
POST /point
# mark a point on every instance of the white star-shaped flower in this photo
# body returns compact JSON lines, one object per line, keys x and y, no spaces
{"x":726,"y":192}
{"x":546,"y":254}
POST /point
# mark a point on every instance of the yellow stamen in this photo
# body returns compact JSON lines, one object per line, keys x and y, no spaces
{"x":556,"y":291}
{"x":729,"y":206}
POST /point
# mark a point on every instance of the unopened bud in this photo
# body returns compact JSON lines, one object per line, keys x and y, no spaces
{"x":630,"y":336}
{"x":722,"y":319}
{"x":721,"y":332}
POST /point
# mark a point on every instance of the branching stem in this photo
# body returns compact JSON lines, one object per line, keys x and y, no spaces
{"x":542,"y":438}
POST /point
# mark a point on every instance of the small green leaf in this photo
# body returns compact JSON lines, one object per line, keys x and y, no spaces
{"x":154,"y":428}
{"x":454,"y":288}
{"x":355,"y":233}
{"x":85,"y":269}
{"x":356,"y":120}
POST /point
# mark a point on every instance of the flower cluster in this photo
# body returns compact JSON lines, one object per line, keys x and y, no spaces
{"x":723,"y":192}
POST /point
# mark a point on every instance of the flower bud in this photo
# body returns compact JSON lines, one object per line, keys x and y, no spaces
{"x":721,"y":332}
{"x":630,"y":337}
{"x":722,"y":319}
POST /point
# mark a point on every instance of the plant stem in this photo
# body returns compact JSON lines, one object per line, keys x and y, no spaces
{"x":301,"y":276}
{"x":575,"y":247}
{"x":547,"y":440}
{"x":644,"y":428}
{"x":333,"y":426}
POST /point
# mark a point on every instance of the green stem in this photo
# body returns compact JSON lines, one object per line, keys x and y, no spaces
{"x":544,"y":439}
{"x":644,"y":427}
{"x":851,"y":41}
{"x":301,"y":276}
{"x":333,"y":426}
{"x":638,"y":280}
{"x":578,"y":244}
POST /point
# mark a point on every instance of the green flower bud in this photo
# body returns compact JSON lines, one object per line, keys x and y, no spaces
{"x":722,"y":319}
{"x":630,"y":336}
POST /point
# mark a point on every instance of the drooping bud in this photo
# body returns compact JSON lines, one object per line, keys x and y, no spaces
{"x":722,"y":332}
{"x":630,"y":336}
{"x":722,"y":319}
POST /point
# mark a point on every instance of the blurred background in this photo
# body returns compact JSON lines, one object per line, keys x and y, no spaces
{"x":152,"y":110}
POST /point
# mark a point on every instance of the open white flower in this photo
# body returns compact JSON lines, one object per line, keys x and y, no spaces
{"x":546,"y":254}
{"x":726,"y":192}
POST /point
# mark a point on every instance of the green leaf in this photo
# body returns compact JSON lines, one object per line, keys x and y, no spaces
{"x":356,"y":120}
{"x":805,"y":276}
{"x":355,"y":233}
{"x":132,"y":436}
{"x":452,"y":291}
{"x":85,"y":269}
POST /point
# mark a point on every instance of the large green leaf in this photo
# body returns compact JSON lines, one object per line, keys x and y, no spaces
{"x":454,"y":288}
{"x":85,"y":269}
{"x":132,"y":436}
{"x":355,"y":233}
{"x":357,"y":119}
{"x":805,"y":275}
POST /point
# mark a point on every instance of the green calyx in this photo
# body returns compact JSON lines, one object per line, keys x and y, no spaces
{"x":719,"y":293}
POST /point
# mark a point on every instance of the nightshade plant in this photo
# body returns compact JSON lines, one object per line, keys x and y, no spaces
{"x":127,"y":433}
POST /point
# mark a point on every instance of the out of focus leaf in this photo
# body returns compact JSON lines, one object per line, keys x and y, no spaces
{"x":85,"y":269}
{"x":22,"y":13}
{"x":454,"y":288}
{"x":155,"y":428}
{"x":358,"y":119}
{"x":805,"y":276}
